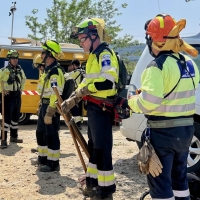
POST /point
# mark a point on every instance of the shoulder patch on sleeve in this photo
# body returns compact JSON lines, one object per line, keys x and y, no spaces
{"x":106,"y":60}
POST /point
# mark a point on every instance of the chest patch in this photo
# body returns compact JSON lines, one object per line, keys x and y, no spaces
{"x":189,"y":71}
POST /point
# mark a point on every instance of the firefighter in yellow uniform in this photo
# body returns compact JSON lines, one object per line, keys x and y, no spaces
{"x":49,"y":119}
{"x":99,"y":86}
{"x":38,"y":63}
{"x":167,"y":99}
{"x":14,"y":79}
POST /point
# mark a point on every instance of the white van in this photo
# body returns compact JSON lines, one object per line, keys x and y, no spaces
{"x":133,"y":127}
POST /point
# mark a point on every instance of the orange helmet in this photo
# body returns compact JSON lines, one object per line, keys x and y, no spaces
{"x":159,"y":27}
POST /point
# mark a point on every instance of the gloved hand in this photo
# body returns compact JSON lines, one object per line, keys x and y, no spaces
{"x":49,"y":114}
{"x":6,"y":92}
{"x":68,"y":104}
{"x":38,"y":110}
{"x":155,"y":166}
{"x":82,"y":92}
{"x":138,"y":91}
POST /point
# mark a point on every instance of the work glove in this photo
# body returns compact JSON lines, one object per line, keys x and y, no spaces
{"x":38,"y":110}
{"x":82,"y":92}
{"x":68,"y":104}
{"x":148,"y":161}
{"x":155,"y":166}
{"x":50,"y":112}
{"x":74,"y":99}
{"x":6,"y":92}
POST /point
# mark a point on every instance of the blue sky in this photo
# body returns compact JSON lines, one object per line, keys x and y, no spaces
{"x":132,"y":19}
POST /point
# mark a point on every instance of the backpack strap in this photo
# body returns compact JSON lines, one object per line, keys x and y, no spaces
{"x":104,"y":47}
{"x":48,"y":77}
{"x":182,"y":65}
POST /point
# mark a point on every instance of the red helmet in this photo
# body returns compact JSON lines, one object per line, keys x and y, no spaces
{"x":159,"y":27}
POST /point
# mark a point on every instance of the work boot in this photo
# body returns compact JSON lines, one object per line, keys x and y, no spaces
{"x":99,"y":197}
{"x":46,"y":168}
{"x":16,"y":140}
{"x":89,"y":191}
{"x":50,"y":166}
{"x":34,"y":150}
{"x":4,"y":144}
{"x":39,"y":161}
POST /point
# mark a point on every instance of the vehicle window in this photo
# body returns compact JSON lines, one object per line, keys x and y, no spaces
{"x":29,"y":70}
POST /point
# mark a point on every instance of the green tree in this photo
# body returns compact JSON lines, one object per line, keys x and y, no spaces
{"x":31,"y":22}
{"x":62,"y":16}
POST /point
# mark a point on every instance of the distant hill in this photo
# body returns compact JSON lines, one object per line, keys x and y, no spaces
{"x":133,"y":49}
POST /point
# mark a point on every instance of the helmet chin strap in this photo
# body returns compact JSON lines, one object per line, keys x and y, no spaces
{"x":46,"y":56}
{"x":149,"y":44}
{"x":92,"y":40}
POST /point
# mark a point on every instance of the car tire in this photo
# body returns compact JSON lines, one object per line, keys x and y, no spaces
{"x":195,"y":158}
{"x":194,"y":164}
{"x":24,"y":118}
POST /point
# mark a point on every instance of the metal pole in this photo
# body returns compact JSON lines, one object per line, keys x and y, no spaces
{"x":12,"y":10}
{"x":12,"y":28}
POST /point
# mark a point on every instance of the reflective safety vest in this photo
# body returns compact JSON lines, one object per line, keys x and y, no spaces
{"x":158,"y":81}
{"x":56,"y":76}
{"x":106,"y":68}
{"x":13,"y":79}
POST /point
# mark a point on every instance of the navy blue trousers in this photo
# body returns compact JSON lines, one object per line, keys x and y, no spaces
{"x":100,"y":144}
{"x":171,"y":146}
{"x":12,"y":106}
{"x":47,"y":135}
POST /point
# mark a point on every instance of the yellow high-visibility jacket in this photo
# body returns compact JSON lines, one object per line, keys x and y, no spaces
{"x":101,"y":77}
{"x":158,"y":80}
{"x":13,"y":80}
{"x":56,"y":77}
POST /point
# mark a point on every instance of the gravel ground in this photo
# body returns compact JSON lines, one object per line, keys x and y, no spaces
{"x":19,"y":180}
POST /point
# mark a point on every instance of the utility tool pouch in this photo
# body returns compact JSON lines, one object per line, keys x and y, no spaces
{"x":121,"y":109}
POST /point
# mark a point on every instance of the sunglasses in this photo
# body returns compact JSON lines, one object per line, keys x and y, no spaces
{"x":83,"y":39}
{"x":14,"y":58}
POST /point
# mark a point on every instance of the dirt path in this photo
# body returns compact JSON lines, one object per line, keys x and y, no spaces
{"x":19,"y":180}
